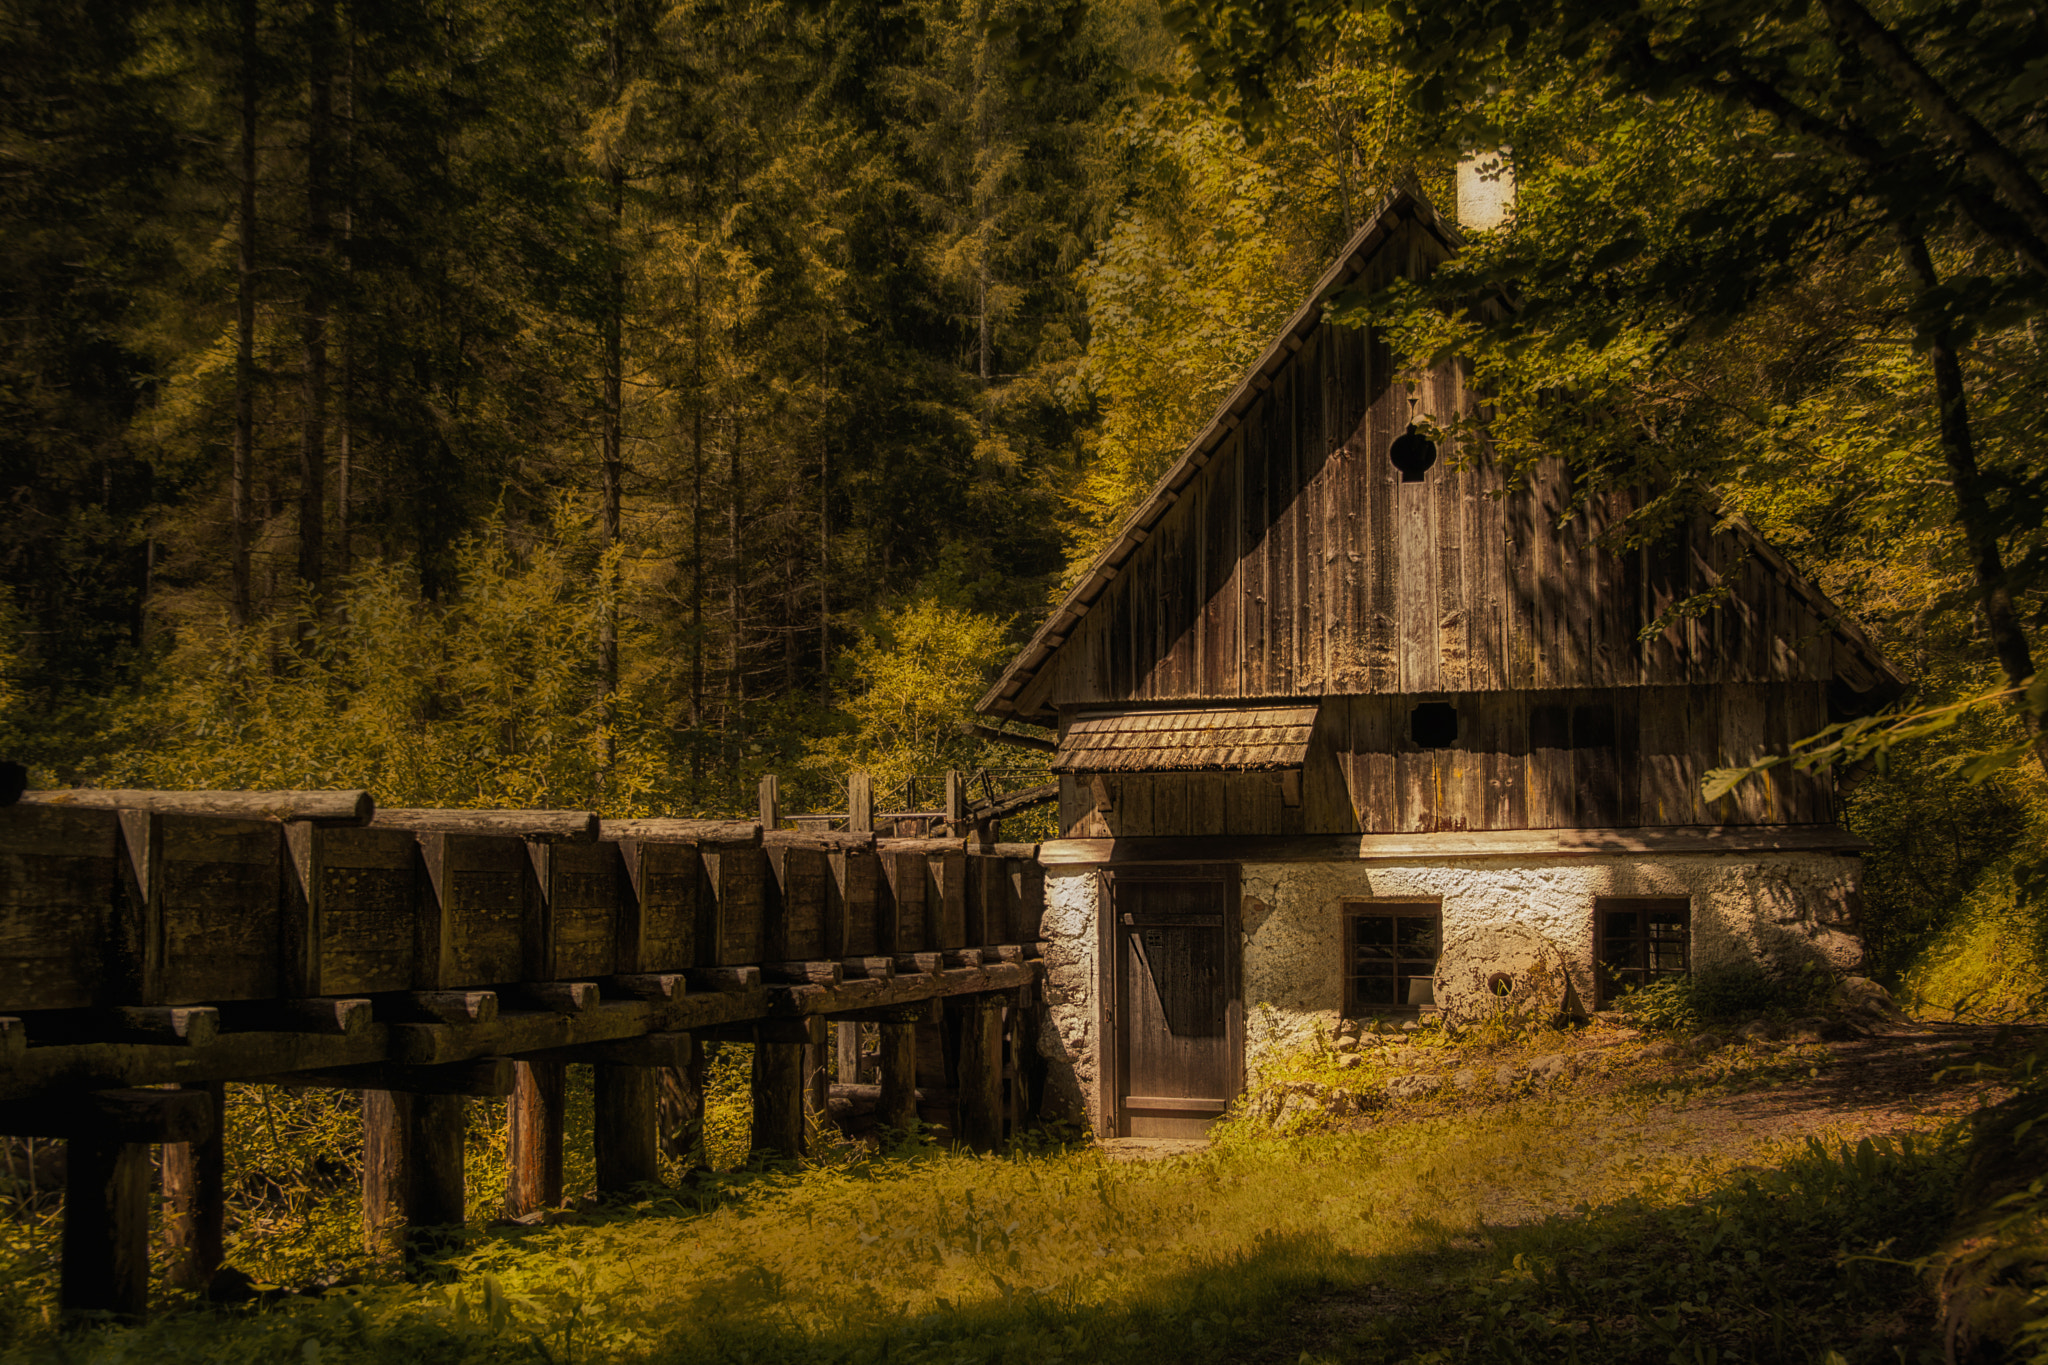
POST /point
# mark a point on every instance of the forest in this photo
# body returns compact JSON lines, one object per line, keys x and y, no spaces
{"x":599,"y":406}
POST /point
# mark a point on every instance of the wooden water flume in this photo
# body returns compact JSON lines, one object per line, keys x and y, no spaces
{"x":155,"y":945}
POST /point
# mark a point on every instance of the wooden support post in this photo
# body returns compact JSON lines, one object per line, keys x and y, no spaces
{"x":899,"y":1071}
{"x":771,"y":803}
{"x":105,"y":1265}
{"x":956,"y":802}
{"x":981,"y":1073}
{"x":779,"y":1076}
{"x":860,"y":802}
{"x":817,"y":1086}
{"x":412,"y":1167}
{"x":533,"y":1138}
{"x":195,"y":1197}
{"x":846,"y":1037}
{"x":679,"y":1108}
{"x":623,"y":1127}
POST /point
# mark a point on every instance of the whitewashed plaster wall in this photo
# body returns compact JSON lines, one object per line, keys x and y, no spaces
{"x":1777,"y":911}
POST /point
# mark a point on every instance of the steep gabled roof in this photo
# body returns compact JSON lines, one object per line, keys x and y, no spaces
{"x":1400,"y":207}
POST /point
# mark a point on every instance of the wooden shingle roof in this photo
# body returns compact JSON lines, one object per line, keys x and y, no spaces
{"x":1230,"y":739}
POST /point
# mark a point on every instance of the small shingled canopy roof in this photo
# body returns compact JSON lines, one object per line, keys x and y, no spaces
{"x":1211,"y":739}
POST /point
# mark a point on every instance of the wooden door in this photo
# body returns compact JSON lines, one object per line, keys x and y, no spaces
{"x":1179,"y":1027}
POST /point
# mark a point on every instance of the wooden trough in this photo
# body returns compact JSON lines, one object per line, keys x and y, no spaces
{"x":425,"y":957}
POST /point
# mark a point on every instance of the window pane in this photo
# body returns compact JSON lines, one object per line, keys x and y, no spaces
{"x":1417,"y":936}
{"x":1373,"y":929}
{"x":1376,"y":990}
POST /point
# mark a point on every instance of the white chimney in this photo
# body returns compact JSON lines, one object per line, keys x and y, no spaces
{"x":1486,"y":190}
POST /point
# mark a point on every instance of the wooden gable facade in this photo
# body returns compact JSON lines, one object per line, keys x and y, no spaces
{"x":1285,"y":558}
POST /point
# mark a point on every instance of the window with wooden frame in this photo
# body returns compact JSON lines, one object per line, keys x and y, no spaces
{"x":1390,"y":955}
{"x":1641,"y":940}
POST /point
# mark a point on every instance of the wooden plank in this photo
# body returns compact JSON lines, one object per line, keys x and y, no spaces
{"x":60,"y":874}
{"x":1283,"y":538}
{"x":1703,"y":734}
{"x":798,"y":885}
{"x":350,"y":807}
{"x":667,"y":906}
{"x":349,"y":905}
{"x":1027,"y":898}
{"x":221,"y":887}
{"x":991,"y":879}
{"x":858,"y":892}
{"x":479,"y":910}
{"x":1744,"y":715}
{"x":737,"y":875}
{"x":536,"y":826}
{"x":905,"y":927}
{"x":1746,"y":840}
{"x":898,"y":1066}
{"x":1255,"y":520}
{"x":584,"y":890}
{"x":949,"y":904}
{"x":1450,"y":494}
{"x":1219,"y":571}
{"x":1552,"y":798}
{"x":666,"y":830}
{"x":1373,"y":769}
{"x":1666,"y":780}
{"x":1596,"y":777}
{"x":1386,"y":418}
{"x":1664,"y":584}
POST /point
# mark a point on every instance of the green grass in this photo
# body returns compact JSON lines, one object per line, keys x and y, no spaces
{"x":1389,"y":1246}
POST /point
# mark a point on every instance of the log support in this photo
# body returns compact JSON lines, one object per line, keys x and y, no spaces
{"x":899,"y":1071}
{"x":105,"y":1267}
{"x":779,"y":1097}
{"x":981,"y":1073}
{"x":412,"y":1167}
{"x":195,"y":1197}
{"x":622,"y":1128}
{"x":533,"y":1138}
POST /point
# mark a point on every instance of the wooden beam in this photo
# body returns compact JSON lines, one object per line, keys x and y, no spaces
{"x":956,"y":800}
{"x":622,"y":1127}
{"x":539,"y":826}
{"x":445,"y":1007}
{"x":347,"y":1018}
{"x":675,"y":1049}
{"x":533,"y":1137}
{"x":779,"y":1076}
{"x":822,"y":840}
{"x":146,"y":1116}
{"x":193,"y":1026}
{"x":486,"y":1078}
{"x":340,"y":807}
{"x":104,"y":1265}
{"x":981,"y":1073}
{"x":663,"y":829}
{"x":899,"y":1072}
{"x":195,"y":1197}
{"x":860,"y":803}
{"x":1539,"y":842}
{"x":771,"y":804}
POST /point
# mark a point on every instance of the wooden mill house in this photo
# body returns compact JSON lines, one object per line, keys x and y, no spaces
{"x":1350,"y":725}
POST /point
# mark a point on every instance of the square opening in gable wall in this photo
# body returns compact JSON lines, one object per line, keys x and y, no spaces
{"x":1433,"y":725}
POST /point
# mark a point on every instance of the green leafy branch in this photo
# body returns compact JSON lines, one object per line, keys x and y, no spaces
{"x":1873,"y":737}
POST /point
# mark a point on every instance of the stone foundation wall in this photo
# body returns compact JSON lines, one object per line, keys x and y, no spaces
{"x":1530,"y":917}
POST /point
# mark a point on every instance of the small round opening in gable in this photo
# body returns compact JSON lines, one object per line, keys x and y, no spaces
{"x":1434,"y":725}
{"x":1412,"y":453}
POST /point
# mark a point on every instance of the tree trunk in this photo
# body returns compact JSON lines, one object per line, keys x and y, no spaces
{"x":1973,"y":510}
{"x":245,"y":324}
{"x":697,"y":540}
{"x":613,"y":434}
{"x":313,"y":317}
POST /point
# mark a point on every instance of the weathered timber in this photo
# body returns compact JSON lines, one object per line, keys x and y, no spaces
{"x":13,"y":1039}
{"x":195,"y":1196}
{"x":663,"y":829}
{"x":148,"y":1116}
{"x":803,"y":973}
{"x":342,"y":807}
{"x":536,"y":826}
{"x":907,"y":845}
{"x":822,"y":840}
{"x":860,"y":803}
{"x":65,"y":871}
{"x":326,"y":1014}
{"x":902,"y":918}
{"x":166,"y":1025}
{"x":794,"y":907}
{"x":859,"y":968}
{"x":962,"y":957}
{"x":1026,"y":851}
{"x":347,"y":921}
{"x":485,"y":1078}
{"x":413,"y":1155}
{"x":585,"y":894}
{"x":444,"y":1007}
{"x":1012,"y":802}
{"x":717,"y":979}
{"x":216,"y":885}
{"x":778,"y":1089}
{"x":674,"y":1049}
{"x":647,"y":985}
{"x":622,"y":1126}
{"x":898,"y":1089}
{"x":104,"y":1264}
{"x":533,"y":1137}
{"x":770,"y":799}
{"x":479,"y":918}
{"x":563,"y":997}
{"x":667,"y":906}
{"x":236,"y":1056}
{"x":919,"y":964}
{"x":981,"y":1073}
{"x":733,"y":929}
{"x":1542,"y":842}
